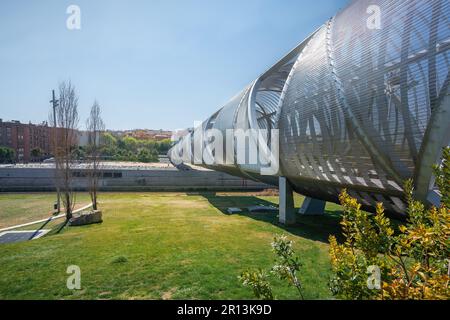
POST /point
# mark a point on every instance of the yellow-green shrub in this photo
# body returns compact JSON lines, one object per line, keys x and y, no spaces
{"x":413,"y":264}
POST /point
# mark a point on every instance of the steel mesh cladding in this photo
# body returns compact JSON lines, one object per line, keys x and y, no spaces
{"x":360,"y":104}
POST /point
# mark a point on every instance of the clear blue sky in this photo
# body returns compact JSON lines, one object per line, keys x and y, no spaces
{"x":150,"y":64}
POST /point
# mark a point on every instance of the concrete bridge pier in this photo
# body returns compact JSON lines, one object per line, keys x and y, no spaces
{"x":287,"y":214}
{"x":312,"y":207}
{"x":286,"y":195}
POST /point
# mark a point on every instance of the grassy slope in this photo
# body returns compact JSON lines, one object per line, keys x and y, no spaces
{"x":174,"y":246}
{"x":19,"y":208}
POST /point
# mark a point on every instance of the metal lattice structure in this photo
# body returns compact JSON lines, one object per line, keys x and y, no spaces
{"x":356,"y":107}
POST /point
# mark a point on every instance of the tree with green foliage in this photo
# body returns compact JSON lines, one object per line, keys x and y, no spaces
{"x":130,"y":144}
{"x":79,"y":152}
{"x":132,"y":149}
{"x":148,"y":144}
{"x":413,"y":264}
{"x":37,"y":153}
{"x":147,"y":156}
{"x":7,"y":155}
{"x":108,"y":140}
{"x":164,"y":146}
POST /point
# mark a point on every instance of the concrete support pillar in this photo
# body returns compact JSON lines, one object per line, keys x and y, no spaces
{"x":312,"y":207}
{"x":287,"y":211}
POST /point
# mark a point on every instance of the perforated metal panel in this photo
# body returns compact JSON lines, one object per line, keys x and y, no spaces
{"x":357,"y":106}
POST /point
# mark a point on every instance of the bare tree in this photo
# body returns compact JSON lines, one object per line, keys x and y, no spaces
{"x":95,"y":127}
{"x":66,"y":142}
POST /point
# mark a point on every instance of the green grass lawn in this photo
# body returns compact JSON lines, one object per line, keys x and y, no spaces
{"x":161,"y":246}
{"x":19,"y":208}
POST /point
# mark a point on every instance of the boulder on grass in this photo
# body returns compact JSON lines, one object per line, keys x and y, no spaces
{"x":86,"y":217}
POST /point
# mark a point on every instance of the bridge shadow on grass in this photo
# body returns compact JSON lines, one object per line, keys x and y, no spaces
{"x":317,"y":228}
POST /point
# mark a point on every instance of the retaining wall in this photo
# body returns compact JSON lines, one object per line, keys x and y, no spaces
{"x":167,"y":179}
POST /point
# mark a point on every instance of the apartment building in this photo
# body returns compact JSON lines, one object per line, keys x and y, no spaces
{"x":23,"y":138}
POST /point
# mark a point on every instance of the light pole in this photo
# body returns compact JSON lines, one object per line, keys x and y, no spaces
{"x":54,"y":103}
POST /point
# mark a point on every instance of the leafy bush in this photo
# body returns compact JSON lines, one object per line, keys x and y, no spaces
{"x":413,"y":264}
{"x":287,"y":264}
{"x":258,"y":281}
